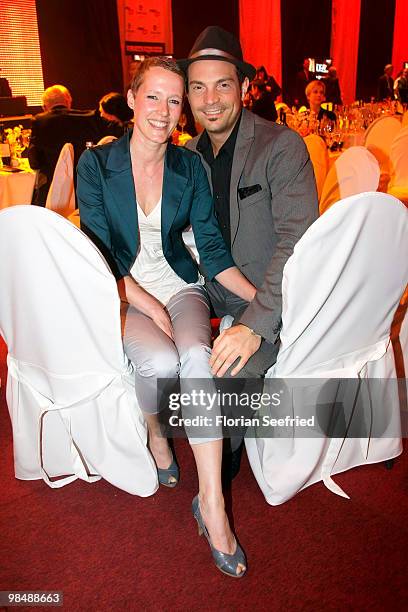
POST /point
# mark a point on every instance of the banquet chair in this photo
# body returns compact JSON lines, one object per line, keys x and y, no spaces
{"x":355,"y":171}
{"x":74,"y":218}
{"x":61,"y":195}
{"x":340,"y":289}
{"x":403,"y":338}
{"x":106,"y":140}
{"x":284,"y":106}
{"x":69,"y":389}
{"x":319,"y":158}
{"x":398,"y":185}
{"x":378,"y":138}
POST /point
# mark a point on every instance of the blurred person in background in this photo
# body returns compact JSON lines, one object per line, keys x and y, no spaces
{"x":402,"y":87}
{"x":262,"y":102}
{"x":303,"y":77}
{"x":114,"y":107}
{"x":58,"y":124}
{"x":332,"y":85}
{"x":5,"y":89}
{"x":315,"y":95}
{"x":385,"y":89}
{"x":271,"y":84}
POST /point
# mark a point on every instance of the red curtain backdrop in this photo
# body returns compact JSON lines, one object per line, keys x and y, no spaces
{"x":260,"y":34}
{"x":400,"y":45}
{"x":344,"y":44}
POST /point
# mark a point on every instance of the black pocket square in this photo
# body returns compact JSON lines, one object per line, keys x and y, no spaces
{"x":245,"y":192}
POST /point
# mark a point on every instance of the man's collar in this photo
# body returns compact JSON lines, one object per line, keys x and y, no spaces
{"x":204,"y":142}
{"x":59,"y":107}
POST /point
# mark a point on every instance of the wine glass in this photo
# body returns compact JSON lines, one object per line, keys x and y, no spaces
{"x":182,"y":122}
{"x":25,"y":138}
{"x":327,"y":127}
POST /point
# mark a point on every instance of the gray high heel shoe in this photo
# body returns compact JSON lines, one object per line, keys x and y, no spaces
{"x":226,"y":563}
{"x":165,"y":474}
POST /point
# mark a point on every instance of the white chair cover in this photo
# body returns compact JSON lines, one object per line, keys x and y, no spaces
{"x":355,"y":171}
{"x":69,"y":388}
{"x":378,"y":139}
{"x":61,"y":195}
{"x":320,"y":159}
{"x":398,"y":185}
{"x":403,"y":338}
{"x":340,"y":289}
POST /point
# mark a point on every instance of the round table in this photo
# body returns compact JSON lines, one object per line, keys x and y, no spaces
{"x":17,"y":187}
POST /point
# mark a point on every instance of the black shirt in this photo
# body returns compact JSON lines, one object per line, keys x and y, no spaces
{"x":221,"y":167}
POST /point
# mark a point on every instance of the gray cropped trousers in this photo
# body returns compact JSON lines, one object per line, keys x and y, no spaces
{"x":155,"y":355}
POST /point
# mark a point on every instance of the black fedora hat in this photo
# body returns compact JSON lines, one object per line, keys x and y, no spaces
{"x":214,"y":43}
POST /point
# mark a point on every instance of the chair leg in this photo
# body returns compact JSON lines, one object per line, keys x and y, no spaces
{"x":389,"y":464}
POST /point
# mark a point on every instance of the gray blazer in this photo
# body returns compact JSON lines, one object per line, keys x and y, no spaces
{"x":273,"y":200}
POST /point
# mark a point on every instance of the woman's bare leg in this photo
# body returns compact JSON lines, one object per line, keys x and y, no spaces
{"x":208,"y":458}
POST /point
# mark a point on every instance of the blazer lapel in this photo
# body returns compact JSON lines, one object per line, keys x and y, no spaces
{"x":242,"y":147}
{"x":119,"y":180}
{"x":174,"y":185}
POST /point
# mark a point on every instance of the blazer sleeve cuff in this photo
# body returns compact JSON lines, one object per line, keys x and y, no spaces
{"x":217,"y":265}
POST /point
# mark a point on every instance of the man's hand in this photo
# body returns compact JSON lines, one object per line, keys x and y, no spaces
{"x":233,"y":343}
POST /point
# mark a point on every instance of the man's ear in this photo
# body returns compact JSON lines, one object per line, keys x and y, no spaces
{"x":244,"y":87}
{"x":130,"y":99}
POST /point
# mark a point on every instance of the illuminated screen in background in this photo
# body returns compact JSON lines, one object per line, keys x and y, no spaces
{"x":20,"y":57}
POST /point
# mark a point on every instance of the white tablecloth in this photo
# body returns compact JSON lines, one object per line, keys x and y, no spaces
{"x":16,"y":187}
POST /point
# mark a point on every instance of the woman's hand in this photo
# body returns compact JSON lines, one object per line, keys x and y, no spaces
{"x":160,"y":316}
{"x":144,"y":301}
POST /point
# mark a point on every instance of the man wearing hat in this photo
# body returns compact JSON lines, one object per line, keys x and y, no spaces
{"x":264,"y":195}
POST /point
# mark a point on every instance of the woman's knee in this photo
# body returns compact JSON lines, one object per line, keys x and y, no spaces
{"x":195,"y":360}
{"x":159,"y":364}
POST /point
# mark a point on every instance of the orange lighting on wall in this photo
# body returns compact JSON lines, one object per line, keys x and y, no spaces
{"x":20,"y":57}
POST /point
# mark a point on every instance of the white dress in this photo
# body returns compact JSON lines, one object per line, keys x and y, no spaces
{"x":151,"y":270}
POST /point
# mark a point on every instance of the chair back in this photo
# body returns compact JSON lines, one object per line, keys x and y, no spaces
{"x":61,"y":195}
{"x":284,"y":106}
{"x":403,"y":338}
{"x":106,"y":140}
{"x":340,"y":290}
{"x":399,"y":160}
{"x":319,"y":158}
{"x":379,"y":137}
{"x":343,"y":283}
{"x":68,"y":388}
{"x":355,"y":171}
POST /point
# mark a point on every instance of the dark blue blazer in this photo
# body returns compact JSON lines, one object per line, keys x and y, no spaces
{"x":108,"y":210}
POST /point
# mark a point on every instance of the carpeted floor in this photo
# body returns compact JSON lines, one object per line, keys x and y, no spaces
{"x":107,"y":550}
